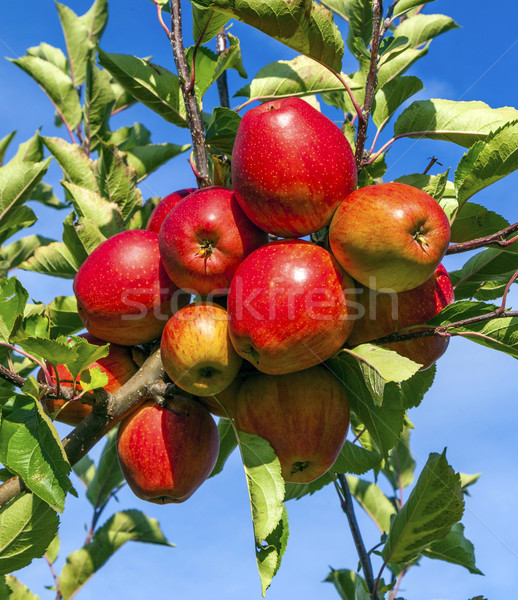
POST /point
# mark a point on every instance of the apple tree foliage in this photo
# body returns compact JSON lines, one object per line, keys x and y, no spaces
{"x":102,"y":169}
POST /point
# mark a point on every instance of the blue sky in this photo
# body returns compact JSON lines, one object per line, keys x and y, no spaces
{"x":470,"y":410}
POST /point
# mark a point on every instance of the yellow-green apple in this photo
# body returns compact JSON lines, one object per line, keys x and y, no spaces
{"x":204,"y":239}
{"x":291,"y":167}
{"x":196,"y":350}
{"x":164,"y":207}
{"x":167,"y":452}
{"x":290,"y":306}
{"x":118,"y":366}
{"x":304,"y":416}
{"x":123,"y":293}
{"x":384,"y":314}
{"x":389,"y":237}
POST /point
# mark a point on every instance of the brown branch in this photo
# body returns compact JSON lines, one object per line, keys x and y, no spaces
{"x":222,"y":81}
{"x":191,"y":103}
{"x":497,"y":239}
{"x":370,"y":85}
{"x":147,"y":382}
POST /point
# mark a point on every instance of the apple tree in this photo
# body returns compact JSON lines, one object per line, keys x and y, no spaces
{"x":371,"y":378}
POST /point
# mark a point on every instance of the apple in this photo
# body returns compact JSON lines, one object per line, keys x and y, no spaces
{"x":291,"y":167}
{"x":390,"y":237}
{"x":118,"y":366}
{"x":164,"y":207}
{"x":167,"y":452}
{"x":386,"y":313}
{"x":123,"y":293}
{"x":196,"y":350}
{"x":204,"y":239}
{"x":289,"y":306}
{"x":304,"y":416}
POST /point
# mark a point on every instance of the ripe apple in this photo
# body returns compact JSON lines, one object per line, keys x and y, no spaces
{"x":196,"y":350}
{"x":289,"y":306}
{"x":164,"y":207}
{"x":384,"y":314}
{"x":204,"y":239}
{"x":167,"y":452}
{"x":118,"y":366}
{"x":389,"y":237}
{"x":291,"y":167}
{"x":123,"y":293}
{"x":304,"y":416}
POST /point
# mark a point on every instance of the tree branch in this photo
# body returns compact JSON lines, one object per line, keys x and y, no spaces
{"x":222,"y":81}
{"x":497,"y":239}
{"x":191,"y":104}
{"x":147,"y":382}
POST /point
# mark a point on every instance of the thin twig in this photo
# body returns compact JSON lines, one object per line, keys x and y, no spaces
{"x":59,"y":596}
{"x":222,"y":81}
{"x":497,"y":239}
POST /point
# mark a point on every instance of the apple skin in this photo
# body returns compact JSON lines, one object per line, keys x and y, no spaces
{"x":389,"y":237}
{"x":289,"y":306}
{"x":304,"y":416}
{"x":413,"y":307}
{"x":118,"y":366}
{"x":205,"y":238}
{"x":166,"y":453}
{"x":123,"y":293}
{"x":164,"y":207}
{"x":196,"y":350}
{"x":291,"y":167}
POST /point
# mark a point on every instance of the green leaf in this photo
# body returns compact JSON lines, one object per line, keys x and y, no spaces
{"x":348,"y":584}
{"x":21,"y":250}
{"x":415,"y":388}
{"x":122,"y":527}
{"x":57,"y":85}
{"x":296,"y":491}
{"x":118,"y":181}
{"x":227,"y":444}
{"x":146,"y":159}
{"x":462,"y":123}
{"x":43,"y":193}
{"x":54,"y":259}
{"x":156,"y":87}
{"x":85,"y":354}
{"x":13,"y":298}
{"x":52,"y":55}
{"x":99,"y":100}
{"x":31,"y":448}
{"x":53,"y":550}
{"x":64,"y":319}
{"x":399,"y":468}
{"x":222,"y":128}
{"x":475,"y":221}
{"x":373,"y":501}
{"x":391,"y":96}
{"x":81,"y":236}
{"x":85,"y":470}
{"x":384,"y":423}
{"x":266,"y":491}
{"x":487,"y":162}
{"x":54,"y":351}
{"x":96,"y":19}
{"x":107,"y":477}
{"x":420,"y":29}
{"x":404,"y":6}
{"x":306,"y":27}
{"x":127,"y":138}
{"x":206,"y":24}
{"x":355,"y":459}
{"x":388,"y":364}
{"x":398,"y":62}
{"x":301,"y":76}
{"x":27,"y":526}
{"x":17,"y":180}
{"x":456,"y":549}
{"x":19,"y":218}
{"x":29,"y":151}
{"x":431,"y":510}
{"x":4,"y":144}
{"x":78,"y":42}
{"x":76,"y":165}
{"x":92,"y":379}
{"x":18,"y":590}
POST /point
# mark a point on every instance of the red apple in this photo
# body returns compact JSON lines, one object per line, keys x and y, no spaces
{"x":204,"y":239}
{"x":384,"y":314}
{"x":123,"y":293}
{"x":164,"y":207}
{"x":118,"y":366}
{"x":304,"y":416}
{"x":196,"y":350}
{"x":390,"y":237}
{"x":289,"y":307}
{"x":291,"y":167}
{"x":166,"y":453}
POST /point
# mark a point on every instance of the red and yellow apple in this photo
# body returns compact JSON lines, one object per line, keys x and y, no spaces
{"x":390,"y":237}
{"x":289,"y":306}
{"x":196,"y":350}
{"x":164,"y":207}
{"x":304,"y":416}
{"x":167,"y":452}
{"x":291,"y":167}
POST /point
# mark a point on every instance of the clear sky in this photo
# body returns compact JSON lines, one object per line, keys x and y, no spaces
{"x":470,"y":410}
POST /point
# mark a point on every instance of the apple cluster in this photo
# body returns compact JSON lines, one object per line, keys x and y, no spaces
{"x":269,"y":307}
